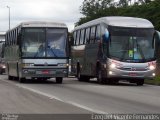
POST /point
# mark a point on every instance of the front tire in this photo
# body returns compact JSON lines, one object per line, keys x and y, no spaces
{"x":59,"y":80}
{"x":10,"y":77}
{"x":140,"y":82}
{"x":100,"y":78}
{"x":22,"y":80}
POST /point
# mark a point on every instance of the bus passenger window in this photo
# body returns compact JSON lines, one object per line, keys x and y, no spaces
{"x":92,"y":35}
{"x":74,"y":36}
{"x":82,"y":37}
{"x":77,"y":38}
{"x":98,"y":33}
{"x":87,"y":36}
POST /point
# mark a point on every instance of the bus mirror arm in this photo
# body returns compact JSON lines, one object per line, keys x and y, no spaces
{"x":153,"y":40}
{"x":156,"y":38}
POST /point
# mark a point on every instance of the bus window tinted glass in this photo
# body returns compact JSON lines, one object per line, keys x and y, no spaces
{"x":131,"y":44}
{"x":56,"y":46}
{"x":75,"y":37}
{"x":78,"y":37}
{"x":33,"y":43}
{"x":87,"y":35}
{"x":98,"y":33}
{"x":82,"y":37}
{"x":92,"y":34}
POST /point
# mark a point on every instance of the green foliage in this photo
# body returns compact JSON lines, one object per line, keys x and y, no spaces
{"x":147,"y":9}
{"x":155,"y":81}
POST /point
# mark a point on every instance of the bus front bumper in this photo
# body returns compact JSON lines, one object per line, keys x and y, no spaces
{"x":48,"y":73}
{"x":116,"y":73}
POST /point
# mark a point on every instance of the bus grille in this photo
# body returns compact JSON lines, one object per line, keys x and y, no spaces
{"x":133,"y":69}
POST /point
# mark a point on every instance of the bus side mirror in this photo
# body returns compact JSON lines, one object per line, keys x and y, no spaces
{"x":19,"y":38}
{"x":106,"y":36}
{"x":157,"y":42}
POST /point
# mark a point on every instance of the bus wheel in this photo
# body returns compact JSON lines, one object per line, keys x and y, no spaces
{"x":10,"y":77}
{"x":59,"y":79}
{"x":79,"y":77}
{"x":22,"y":80}
{"x":1,"y":72}
{"x":100,"y":79}
{"x":140,"y":82}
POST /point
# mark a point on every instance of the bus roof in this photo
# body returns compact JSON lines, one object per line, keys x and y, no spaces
{"x":119,"y":21}
{"x":2,"y":33}
{"x":40,"y":24}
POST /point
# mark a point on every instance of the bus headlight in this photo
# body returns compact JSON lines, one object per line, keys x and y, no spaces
{"x":3,"y":66}
{"x":113,"y":65}
{"x":151,"y":67}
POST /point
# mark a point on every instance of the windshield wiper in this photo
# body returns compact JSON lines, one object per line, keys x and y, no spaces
{"x":53,"y":51}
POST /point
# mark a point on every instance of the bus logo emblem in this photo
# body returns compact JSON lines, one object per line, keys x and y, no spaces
{"x":133,"y":69}
{"x":46,"y":64}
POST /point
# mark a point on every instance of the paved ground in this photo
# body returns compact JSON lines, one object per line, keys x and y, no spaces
{"x":77,"y":97}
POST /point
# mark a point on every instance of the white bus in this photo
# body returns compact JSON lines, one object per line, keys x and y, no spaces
{"x":2,"y":42}
{"x":37,"y":50}
{"x":114,"y":48}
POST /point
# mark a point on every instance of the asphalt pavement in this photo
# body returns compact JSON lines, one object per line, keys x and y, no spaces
{"x":74,"y":97}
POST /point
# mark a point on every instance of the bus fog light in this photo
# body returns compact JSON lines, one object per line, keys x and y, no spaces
{"x":110,"y":73}
{"x":25,"y":71}
{"x":64,"y":71}
{"x":153,"y":74}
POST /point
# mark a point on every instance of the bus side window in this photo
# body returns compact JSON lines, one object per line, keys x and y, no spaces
{"x":16,"y":36}
{"x":98,"y":33}
{"x":74,"y":37}
{"x":92,"y":35}
{"x":9,"y":39}
{"x":87,"y":36}
{"x":78,"y":37}
{"x":82,"y":37}
{"x":12,"y":36}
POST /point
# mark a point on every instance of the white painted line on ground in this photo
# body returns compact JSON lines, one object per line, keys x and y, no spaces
{"x":40,"y":93}
{"x":56,"y":98}
{"x":59,"y":99}
{"x":86,"y":108}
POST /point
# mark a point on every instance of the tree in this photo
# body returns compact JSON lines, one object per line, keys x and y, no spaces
{"x":123,"y":3}
{"x":91,"y":7}
{"x":148,"y":9}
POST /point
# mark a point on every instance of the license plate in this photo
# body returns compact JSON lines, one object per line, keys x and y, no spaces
{"x":43,"y":72}
{"x":132,"y":74}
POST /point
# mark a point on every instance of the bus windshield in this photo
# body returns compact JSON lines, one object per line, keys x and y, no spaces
{"x":131,"y":44}
{"x":40,"y":42}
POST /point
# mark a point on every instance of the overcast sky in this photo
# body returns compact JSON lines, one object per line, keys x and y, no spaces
{"x":66,"y":11}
